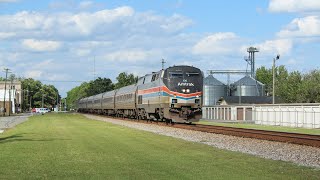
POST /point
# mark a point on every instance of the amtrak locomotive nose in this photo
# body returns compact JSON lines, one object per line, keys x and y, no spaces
{"x":185,"y":84}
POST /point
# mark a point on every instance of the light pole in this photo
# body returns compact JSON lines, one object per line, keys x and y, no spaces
{"x":57,"y":102}
{"x":5,"y":89}
{"x":273,"y":77}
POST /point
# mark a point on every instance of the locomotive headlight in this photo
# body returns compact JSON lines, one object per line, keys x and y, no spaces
{"x":188,"y":90}
{"x":183,"y":90}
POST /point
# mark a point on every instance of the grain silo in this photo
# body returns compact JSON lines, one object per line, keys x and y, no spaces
{"x":247,"y":86}
{"x":213,"y":89}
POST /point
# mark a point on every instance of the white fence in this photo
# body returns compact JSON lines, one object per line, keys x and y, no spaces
{"x":295,"y":115}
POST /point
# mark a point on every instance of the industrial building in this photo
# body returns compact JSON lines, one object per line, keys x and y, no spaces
{"x":246,"y":90}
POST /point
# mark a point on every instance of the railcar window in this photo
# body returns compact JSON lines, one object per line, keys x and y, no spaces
{"x":191,"y":74}
{"x":139,"y":99}
{"x":107,"y":100}
{"x":176,"y":74}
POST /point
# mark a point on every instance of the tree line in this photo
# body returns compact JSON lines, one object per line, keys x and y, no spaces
{"x":291,"y":87}
{"x":34,"y":93}
{"x":97,"y":86}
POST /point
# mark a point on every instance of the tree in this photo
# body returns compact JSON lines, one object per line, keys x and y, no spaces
{"x":100,"y":85}
{"x":30,"y":87}
{"x":264,"y":75}
{"x":34,"y":91}
{"x":310,"y":87}
{"x":77,"y":93}
{"x":125,"y":79}
{"x":292,"y":87}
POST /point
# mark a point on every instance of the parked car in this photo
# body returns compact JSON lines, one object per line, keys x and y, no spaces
{"x":40,"y":110}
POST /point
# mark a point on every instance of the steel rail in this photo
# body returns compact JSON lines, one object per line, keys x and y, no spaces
{"x":294,"y":138}
{"x":286,"y":137}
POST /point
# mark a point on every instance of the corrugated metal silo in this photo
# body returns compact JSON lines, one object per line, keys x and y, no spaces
{"x":213,"y":89}
{"x":247,"y":86}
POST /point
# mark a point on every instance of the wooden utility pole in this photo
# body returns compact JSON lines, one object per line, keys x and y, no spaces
{"x":5,"y":89}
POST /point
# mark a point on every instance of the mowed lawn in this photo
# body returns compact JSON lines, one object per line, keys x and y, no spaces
{"x":69,"y":146}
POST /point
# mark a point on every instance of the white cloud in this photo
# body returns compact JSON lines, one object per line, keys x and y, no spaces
{"x":8,"y":1}
{"x":302,"y":27}
{"x":41,"y":45}
{"x":104,"y":25}
{"x":35,"y":74}
{"x":176,"y":23}
{"x":218,"y":43}
{"x":62,"y":25}
{"x":86,"y":4}
{"x":278,"y":46}
{"x":127,"y":56}
{"x":294,"y":5}
{"x":5,"y":35}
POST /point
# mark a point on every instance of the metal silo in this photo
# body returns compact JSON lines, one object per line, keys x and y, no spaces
{"x":247,"y":86}
{"x":213,"y":89}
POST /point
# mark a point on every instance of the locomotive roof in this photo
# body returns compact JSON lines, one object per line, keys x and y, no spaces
{"x":183,"y":67}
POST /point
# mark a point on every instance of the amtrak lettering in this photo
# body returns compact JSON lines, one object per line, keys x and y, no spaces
{"x":185,"y":84}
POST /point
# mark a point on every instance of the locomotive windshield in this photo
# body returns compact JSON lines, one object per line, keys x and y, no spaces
{"x":183,"y":79}
{"x":176,"y":74}
{"x":192,"y":74}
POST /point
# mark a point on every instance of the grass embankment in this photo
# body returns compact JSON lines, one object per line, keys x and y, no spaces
{"x":263,"y":127}
{"x":65,"y":146}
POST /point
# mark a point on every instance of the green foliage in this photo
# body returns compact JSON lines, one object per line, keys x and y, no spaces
{"x":264,"y":75}
{"x":292,"y":87}
{"x":67,"y":146}
{"x":34,"y":90}
{"x":100,"y":85}
{"x":77,"y":93}
{"x":125,"y":79}
{"x":310,"y":87}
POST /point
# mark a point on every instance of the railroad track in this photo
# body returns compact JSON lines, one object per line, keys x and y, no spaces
{"x":294,"y":138}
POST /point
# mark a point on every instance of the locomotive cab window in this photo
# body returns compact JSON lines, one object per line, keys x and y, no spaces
{"x":176,"y":74}
{"x":192,"y":74}
{"x":154,"y":77}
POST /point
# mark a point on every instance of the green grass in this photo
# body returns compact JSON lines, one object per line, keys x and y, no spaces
{"x":263,"y":127}
{"x":66,"y":146}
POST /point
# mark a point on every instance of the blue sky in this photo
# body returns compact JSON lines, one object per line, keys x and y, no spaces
{"x":57,"y":41}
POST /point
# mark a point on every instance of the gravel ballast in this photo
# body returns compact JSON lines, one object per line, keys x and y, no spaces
{"x":298,"y":154}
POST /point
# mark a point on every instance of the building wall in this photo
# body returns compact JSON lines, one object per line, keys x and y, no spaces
{"x":7,"y":108}
{"x":292,"y":115}
{"x":18,"y":99}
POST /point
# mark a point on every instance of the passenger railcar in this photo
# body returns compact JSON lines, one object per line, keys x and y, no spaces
{"x":173,"y":94}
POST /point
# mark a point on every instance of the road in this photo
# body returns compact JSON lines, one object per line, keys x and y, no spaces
{"x":11,"y":121}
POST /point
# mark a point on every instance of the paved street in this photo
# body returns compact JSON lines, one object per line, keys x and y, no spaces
{"x":11,"y":121}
